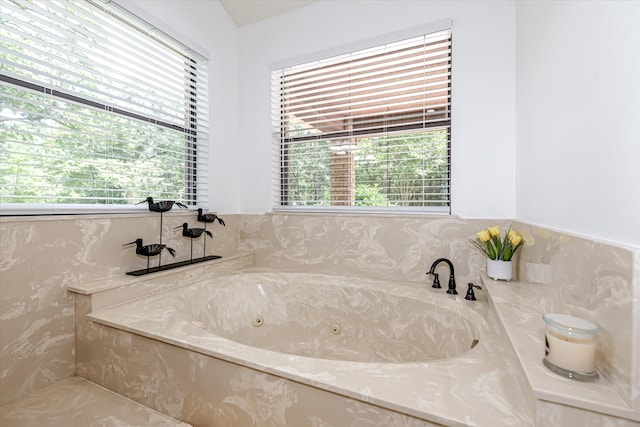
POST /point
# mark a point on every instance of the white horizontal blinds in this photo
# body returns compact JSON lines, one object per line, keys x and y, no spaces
{"x":97,"y":107}
{"x":369,"y":128}
{"x":78,"y":49}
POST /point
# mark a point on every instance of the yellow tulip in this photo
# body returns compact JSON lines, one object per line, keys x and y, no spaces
{"x":494,"y":231}
{"x":484,"y":236}
{"x":515,"y":238}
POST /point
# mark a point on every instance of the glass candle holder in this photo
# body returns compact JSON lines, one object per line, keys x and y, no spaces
{"x":570,"y":346}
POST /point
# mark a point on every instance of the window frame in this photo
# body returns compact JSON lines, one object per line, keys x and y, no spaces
{"x":279,"y":177}
{"x":195,"y":130}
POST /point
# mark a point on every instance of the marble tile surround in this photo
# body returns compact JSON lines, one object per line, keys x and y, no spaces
{"x":41,"y":257}
{"x":390,"y":247}
{"x":519,"y":308}
{"x":596,"y":281}
{"x":111,"y":344}
{"x":237,"y":397}
{"x":75,"y":402}
{"x":587,"y":278}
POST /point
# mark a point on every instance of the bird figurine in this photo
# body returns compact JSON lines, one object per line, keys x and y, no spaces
{"x":209,"y":218}
{"x":193,"y":233}
{"x":161,"y":206}
{"x":150,"y":250}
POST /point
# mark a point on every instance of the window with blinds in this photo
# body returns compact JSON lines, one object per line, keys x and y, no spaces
{"x":98,"y":108}
{"x":368,"y":130}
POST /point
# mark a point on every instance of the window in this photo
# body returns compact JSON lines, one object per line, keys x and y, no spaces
{"x":97,"y":108}
{"x":370,"y":129}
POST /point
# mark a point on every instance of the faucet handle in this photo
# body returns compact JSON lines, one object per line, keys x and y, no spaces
{"x":452,"y":285}
{"x":436,"y":281}
{"x":471,"y":296}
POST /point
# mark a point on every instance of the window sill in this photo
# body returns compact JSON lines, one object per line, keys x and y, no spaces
{"x":360,"y":211}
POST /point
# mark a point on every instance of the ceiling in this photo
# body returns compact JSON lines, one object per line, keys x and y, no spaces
{"x":245,"y":12}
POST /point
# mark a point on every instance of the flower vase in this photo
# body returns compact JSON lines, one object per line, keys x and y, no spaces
{"x":500,"y":270}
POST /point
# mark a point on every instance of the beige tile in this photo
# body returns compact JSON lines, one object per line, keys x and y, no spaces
{"x":74,"y":402}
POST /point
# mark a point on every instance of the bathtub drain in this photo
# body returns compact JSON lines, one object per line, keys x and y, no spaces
{"x":258,"y":321}
{"x":336,"y":329}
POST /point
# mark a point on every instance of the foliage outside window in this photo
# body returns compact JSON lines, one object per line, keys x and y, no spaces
{"x":96,"y":109}
{"x":370,"y":129}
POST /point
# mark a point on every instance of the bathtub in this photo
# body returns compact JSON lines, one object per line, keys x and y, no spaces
{"x":267,"y":348}
{"x":327,"y":317}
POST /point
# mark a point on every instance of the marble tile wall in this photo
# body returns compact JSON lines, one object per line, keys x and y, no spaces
{"x":587,"y":278}
{"x":597,"y":281}
{"x":391,"y":247}
{"x":41,"y":256}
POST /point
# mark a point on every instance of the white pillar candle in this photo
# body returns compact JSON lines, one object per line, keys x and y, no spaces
{"x":570,"y":343}
{"x":571,"y":354}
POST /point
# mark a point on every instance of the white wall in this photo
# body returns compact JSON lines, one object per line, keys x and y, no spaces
{"x":206,"y":26}
{"x":577,"y":91}
{"x":483,"y":180}
{"x":578,"y":121}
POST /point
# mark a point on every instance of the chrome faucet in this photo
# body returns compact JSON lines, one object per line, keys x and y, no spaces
{"x":436,"y":279}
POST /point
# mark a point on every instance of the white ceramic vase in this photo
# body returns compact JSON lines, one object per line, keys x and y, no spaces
{"x":499,"y":270}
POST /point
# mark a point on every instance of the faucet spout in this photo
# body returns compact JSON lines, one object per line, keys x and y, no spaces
{"x":436,"y":281}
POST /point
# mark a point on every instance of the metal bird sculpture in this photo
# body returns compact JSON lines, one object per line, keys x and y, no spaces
{"x":161,"y":206}
{"x":150,"y":250}
{"x":193,"y":233}
{"x":206,"y":218}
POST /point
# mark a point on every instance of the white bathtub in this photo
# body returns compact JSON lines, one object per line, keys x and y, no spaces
{"x":402,"y":347}
{"x":329,"y":317}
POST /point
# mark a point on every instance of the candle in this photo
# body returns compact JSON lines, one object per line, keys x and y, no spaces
{"x":571,"y":354}
{"x":570,"y":344}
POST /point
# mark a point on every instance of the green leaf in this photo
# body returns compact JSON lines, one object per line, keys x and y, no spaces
{"x":508,"y":253}
{"x":491,"y":250}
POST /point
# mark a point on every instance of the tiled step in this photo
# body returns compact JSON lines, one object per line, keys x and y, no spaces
{"x":75,"y":402}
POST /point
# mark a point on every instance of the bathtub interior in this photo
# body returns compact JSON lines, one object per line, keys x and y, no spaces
{"x":331,"y":317}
